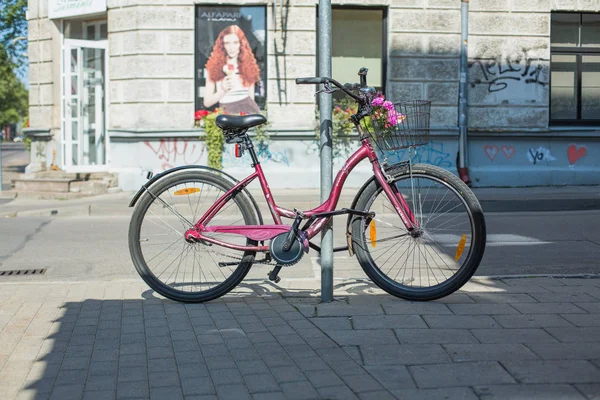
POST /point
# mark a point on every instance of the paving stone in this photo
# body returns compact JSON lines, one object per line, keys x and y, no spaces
{"x":269,"y":396}
{"x":460,"y":374}
{"x":583,"y":320}
{"x":363,"y":337}
{"x":548,"y":308}
{"x":99,"y":395}
{"x":392,"y":377}
{"x":400,"y":354}
{"x":137,"y":389}
{"x":496,"y":298}
{"x":482,"y":309}
{"x":323,"y":378}
{"x":461,"y":393}
{"x":128,"y":374}
{"x":67,"y":392}
{"x":321,"y":343}
{"x":533,"y":320}
{"x":101,"y":383}
{"x":233,"y":392}
{"x":565,"y":351}
{"x":226,"y":376}
{"x":460,"y":321}
{"x":417,"y":308}
{"x":71,"y":377}
{"x":354,"y":352}
{"x":331,"y":323}
{"x":489,"y":352}
{"x":592,"y":308}
{"x":219,"y":362}
{"x":188,"y":357}
{"x":163,"y":379}
{"x":312,"y":363}
{"x":431,"y":336}
{"x":573,"y":297}
{"x":517,"y":335}
{"x":337,"y":393}
{"x":162,"y":364}
{"x":591,"y":390}
{"x":533,"y":392}
{"x":388,"y":322}
{"x":345,"y":368}
{"x":362,"y":383}
{"x":553,"y":371}
{"x":215,"y":350}
{"x":166,"y":393}
{"x":289,"y":373}
{"x":379,"y":395}
{"x":248,"y":354}
{"x":261,"y":383}
{"x":299,"y":390}
{"x":576,"y":334}
{"x":192,"y":370}
{"x":197,"y":386}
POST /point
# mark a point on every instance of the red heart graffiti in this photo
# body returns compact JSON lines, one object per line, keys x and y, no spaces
{"x":508,"y":151}
{"x":490,"y":151}
{"x":575,"y":153}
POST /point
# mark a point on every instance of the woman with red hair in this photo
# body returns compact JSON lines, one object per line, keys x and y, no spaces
{"x":232,"y":72}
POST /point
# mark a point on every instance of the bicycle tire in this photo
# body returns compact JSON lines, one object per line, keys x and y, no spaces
{"x":139,"y":215}
{"x":476,"y":241}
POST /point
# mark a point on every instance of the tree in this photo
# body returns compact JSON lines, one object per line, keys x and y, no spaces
{"x":13,"y":95}
{"x":13,"y":27}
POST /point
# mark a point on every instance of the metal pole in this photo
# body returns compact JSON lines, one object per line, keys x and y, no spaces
{"x":463,"y":104}
{"x":325,"y":109}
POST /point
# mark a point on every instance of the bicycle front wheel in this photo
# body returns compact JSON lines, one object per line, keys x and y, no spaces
{"x":442,"y":255}
{"x":175,"y":268}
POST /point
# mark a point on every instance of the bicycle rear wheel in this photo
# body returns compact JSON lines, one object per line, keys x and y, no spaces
{"x":434,"y":263}
{"x":173,"y":267}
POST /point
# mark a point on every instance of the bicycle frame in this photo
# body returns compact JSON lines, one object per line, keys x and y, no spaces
{"x":266,"y":232}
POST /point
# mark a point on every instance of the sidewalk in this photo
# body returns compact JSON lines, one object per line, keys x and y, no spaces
{"x":559,"y":198}
{"x":535,"y":338}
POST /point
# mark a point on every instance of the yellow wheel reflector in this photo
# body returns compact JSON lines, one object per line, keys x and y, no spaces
{"x":460,"y":248}
{"x":186,"y":191}
{"x":373,"y":233}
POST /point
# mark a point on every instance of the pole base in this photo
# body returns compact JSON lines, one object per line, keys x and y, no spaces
{"x":463,"y":174}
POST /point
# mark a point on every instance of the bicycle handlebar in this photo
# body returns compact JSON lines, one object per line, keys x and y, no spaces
{"x":345,"y":88}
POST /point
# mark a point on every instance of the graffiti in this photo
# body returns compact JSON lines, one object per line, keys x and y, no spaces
{"x":169,"y":150}
{"x":497,"y":73}
{"x":539,"y":154}
{"x":574,"y":153}
{"x":492,"y":151}
{"x":433,"y":154}
{"x":263,"y":153}
{"x":508,"y":151}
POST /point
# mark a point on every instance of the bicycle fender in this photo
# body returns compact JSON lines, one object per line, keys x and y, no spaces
{"x":155,"y":178}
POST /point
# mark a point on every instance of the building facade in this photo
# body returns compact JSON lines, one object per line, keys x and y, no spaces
{"x":115,"y":84}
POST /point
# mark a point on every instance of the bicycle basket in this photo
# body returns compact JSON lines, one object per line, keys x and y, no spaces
{"x":412,"y":128}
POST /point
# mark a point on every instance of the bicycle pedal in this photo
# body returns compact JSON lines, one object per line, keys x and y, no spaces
{"x":274,"y":275}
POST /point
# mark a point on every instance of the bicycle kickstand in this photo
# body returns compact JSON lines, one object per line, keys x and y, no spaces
{"x":274,"y":275}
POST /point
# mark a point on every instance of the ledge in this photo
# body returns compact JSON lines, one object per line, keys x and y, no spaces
{"x":38,"y":134}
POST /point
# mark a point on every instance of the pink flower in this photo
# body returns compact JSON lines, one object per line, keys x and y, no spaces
{"x":388,"y":105}
{"x":378,"y":101}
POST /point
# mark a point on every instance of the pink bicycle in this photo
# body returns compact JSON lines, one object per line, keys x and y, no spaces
{"x":417,"y":230}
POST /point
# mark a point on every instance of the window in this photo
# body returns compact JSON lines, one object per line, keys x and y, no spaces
{"x":358,"y":40}
{"x":575,"y":68}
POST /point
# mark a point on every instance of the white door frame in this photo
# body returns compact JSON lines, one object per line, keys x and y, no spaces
{"x":67,"y":112}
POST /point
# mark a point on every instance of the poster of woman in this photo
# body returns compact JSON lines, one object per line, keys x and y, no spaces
{"x":231,"y":59}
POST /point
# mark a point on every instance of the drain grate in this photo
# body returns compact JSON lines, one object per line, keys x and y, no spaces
{"x":22,"y":272}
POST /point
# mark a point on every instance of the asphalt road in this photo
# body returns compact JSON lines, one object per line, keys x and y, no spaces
{"x":95,"y":248}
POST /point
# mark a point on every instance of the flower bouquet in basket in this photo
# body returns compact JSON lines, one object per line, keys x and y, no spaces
{"x":384,"y":122}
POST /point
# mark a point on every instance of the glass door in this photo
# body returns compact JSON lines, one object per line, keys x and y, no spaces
{"x":84,"y":117}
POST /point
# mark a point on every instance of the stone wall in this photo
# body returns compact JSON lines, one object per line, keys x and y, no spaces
{"x":44,"y":67}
